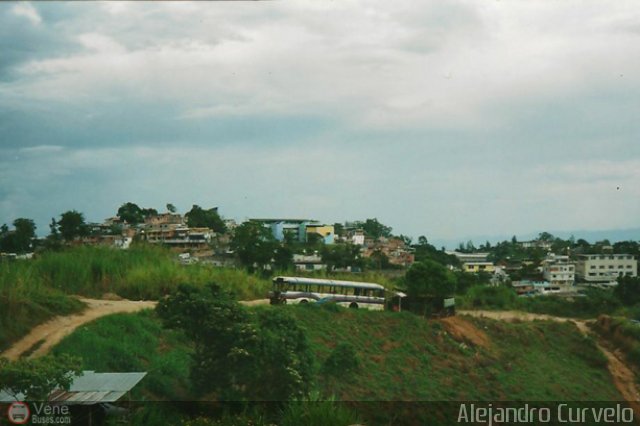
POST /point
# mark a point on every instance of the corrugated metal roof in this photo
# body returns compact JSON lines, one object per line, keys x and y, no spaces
{"x":92,"y":388}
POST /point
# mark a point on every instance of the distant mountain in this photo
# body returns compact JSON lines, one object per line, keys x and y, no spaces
{"x":613,"y":235}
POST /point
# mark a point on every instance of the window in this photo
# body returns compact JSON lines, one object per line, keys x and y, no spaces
{"x":592,"y":267}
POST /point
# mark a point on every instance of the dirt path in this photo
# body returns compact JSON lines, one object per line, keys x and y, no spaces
{"x":47,"y":335}
{"x":623,"y":377}
{"x":254,"y":302}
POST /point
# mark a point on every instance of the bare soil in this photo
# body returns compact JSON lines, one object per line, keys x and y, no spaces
{"x":623,"y":376}
{"x":53,"y":331}
{"x":462,"y":329}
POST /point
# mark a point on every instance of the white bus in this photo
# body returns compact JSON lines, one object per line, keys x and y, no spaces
{"x":351,"y":294}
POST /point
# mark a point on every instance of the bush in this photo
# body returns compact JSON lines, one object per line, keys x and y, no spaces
{"x":342,"y":360}
{"x":317,"y":412}
{"x":499,"y":297}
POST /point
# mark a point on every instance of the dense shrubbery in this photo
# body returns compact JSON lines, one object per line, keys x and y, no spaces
{"x":240,"y":354}
{"x":589,"y":304}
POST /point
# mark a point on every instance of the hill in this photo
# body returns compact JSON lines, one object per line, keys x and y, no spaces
{"x":401,"y":358}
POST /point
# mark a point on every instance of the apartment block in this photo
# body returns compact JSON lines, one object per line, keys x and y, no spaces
{"x":602,"y":268}
{"x":559,"y":270}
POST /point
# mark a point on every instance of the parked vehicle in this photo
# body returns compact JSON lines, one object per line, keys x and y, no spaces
{"x":350,"y":294}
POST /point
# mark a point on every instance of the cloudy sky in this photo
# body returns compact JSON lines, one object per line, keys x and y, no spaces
{"x":446,"y":119}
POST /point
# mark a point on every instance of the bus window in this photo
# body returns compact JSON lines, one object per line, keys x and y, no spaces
{"x":356,"y":291}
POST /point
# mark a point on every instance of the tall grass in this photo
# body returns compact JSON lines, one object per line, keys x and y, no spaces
{"x":34,"y":290}
{"x":142,"y":272}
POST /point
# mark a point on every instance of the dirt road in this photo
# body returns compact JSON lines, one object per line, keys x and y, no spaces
{"x":47,"y":335}
{"x":623,"y":376}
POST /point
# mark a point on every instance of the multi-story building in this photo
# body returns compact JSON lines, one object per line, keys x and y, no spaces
{"x":558,"y":270}
{"x":298,"y":229}
{"x":312,"y":262}
{"x":474,"y":262}
{"x":605,"y":268}
{"x":477,"y":266}
{"x":394,"y":249}
{"x":164,"y":219}
{"x":179,"y":236}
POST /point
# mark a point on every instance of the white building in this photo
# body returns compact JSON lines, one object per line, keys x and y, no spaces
{"x":557,"y":270}
{"x":602,"y":268}
{"x":358,"y":238}
{"x":311,"y":262}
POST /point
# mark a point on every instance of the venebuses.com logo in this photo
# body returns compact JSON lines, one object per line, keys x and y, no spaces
{"x":18,"y":413}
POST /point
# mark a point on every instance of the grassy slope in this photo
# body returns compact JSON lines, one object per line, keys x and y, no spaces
{"x":403,"y":357}
{"x":33,"y":291}
{"x":407,"y":358}
{"x":135,"y":342}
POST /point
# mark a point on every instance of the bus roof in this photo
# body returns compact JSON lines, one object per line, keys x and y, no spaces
{"x":338,"y":283}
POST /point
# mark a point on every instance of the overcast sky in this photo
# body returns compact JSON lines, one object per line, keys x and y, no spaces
{"x":445,"y":119}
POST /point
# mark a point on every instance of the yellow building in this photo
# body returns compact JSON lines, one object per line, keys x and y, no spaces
{"x":325,"y":231}
{"x":475,"y":267}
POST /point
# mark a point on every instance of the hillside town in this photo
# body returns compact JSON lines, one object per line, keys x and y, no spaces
{"x":543,"y":266}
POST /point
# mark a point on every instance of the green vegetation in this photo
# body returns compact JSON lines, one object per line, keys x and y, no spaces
{"x":33,"y":291}
{"x":400,"y":357}
{"x":198,"y":217}
{"x":256,"y":247}
{"x":429,"y":278}
{"x":624,"y":334}
{"x":26,"y":302}
{"x":20,"y":239}
{"x":240,"y":354}
{"x":37,"y":378}
{"x":133,"y":214}
{"x":589,"y":304}
{"x":135,"y":342}
{"x":404,"y":357}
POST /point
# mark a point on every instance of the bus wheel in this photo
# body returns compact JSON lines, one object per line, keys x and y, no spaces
{"x":353,"y":305}
{"x":284,"y":301}
{"x":304,"y":301}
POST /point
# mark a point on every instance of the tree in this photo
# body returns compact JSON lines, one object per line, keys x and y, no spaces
{"x":429,"y":279}
{"x":148,"y":212}
{"x":131,"y":213}
{"x":628,"y":290}
{"x":341,"y":256}
{"x":546,"y":237}
{"x":283,"y":258}
{"x":239,"y":355}
{"x":198,"y":217}
{"x":378,"y":260}
{"x":25,"y":232}
{"x":423,"y":251}
{"x":375,"y":229}
{"x":37,"y":378}
{"x":53,"y":240}
{"x":20,"y":239}
{"x":284,"y":361}
{"x":71,"y":225}
{"x":254,"y":245}
{"x":171,"y":208}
